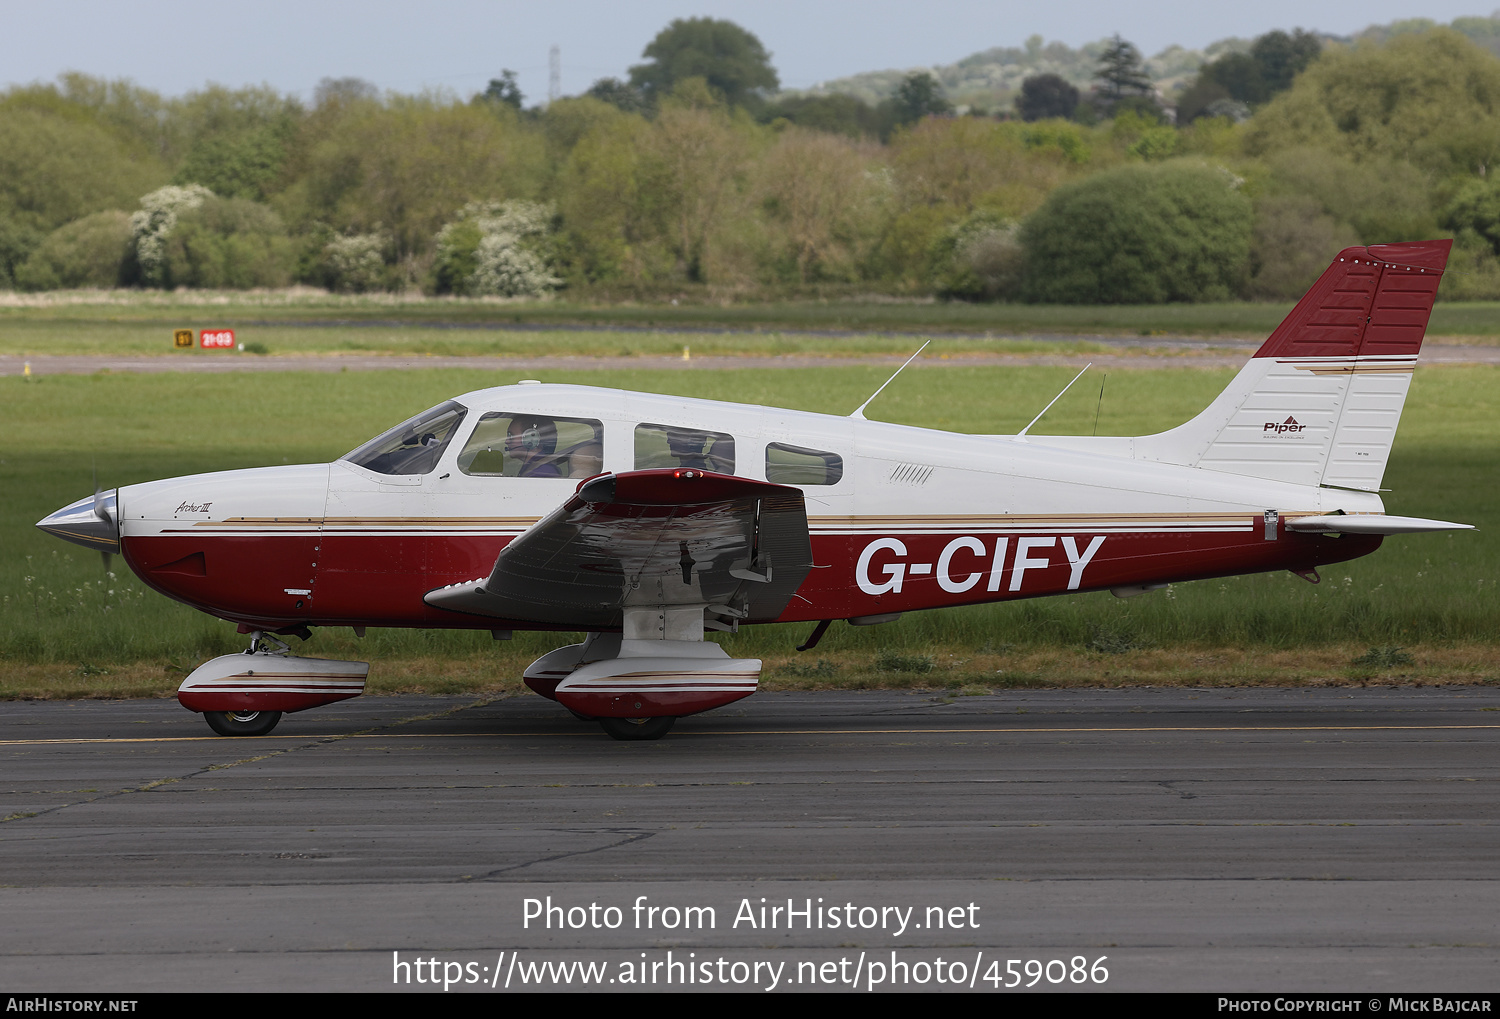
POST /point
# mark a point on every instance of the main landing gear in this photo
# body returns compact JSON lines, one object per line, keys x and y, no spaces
{"x":638,"y":728}
{"x":636,"y":687}
{"x":242,"y":723}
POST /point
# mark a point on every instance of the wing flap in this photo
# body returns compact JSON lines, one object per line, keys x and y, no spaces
{"x":649,"y":538}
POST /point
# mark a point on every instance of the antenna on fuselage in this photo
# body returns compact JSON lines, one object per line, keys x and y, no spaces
{"x":1022,"y":433}
{"x":859,"y":413}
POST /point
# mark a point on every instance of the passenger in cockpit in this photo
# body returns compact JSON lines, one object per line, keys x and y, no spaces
{"x":533,"y":441}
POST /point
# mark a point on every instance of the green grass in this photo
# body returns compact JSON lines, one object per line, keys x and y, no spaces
{"x":31,"y":338}
{"x":1417,"y":592}
{"x":143,"y":321}
{"x":137,"y":321}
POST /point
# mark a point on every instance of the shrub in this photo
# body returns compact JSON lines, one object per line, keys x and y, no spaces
{"x":355,"y":264}
{"x":156,"y":219}
{"x":91,"y":252}
{"x":17,"y":242}
{"x":1174,"y":231}
{"x":1383,"y":199}
{"x":1383,"y":658}
{"x":227,"y":243}
{"x":490,"y":250}
{"x":981,"y":259}
{"x":1293,"y":242}
{"x":894,"y":661}
{"x":1476,"y":206}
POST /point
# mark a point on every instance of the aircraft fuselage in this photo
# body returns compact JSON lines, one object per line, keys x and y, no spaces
{"x":906,"y":518}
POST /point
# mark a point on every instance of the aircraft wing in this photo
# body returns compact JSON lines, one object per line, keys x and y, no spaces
{"x":738,"y":547}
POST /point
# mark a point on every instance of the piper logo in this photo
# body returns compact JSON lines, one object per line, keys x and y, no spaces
{"x":1289,"y":425}
{"x":965,"y":561}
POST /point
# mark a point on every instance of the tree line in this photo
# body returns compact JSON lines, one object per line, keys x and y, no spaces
{"x":692,"y":173}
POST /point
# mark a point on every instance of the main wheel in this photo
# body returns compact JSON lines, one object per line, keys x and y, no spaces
{"x":242,"y":723}
{"x":638,"y":728}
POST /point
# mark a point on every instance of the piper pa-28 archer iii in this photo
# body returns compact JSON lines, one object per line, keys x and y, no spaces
{"x":645,"y":521}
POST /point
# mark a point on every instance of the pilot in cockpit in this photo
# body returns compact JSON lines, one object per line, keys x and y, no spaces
{"x":533,"y":443}
{"x":686,"y":448}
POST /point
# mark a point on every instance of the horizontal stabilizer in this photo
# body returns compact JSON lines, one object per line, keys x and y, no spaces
{"x":1372,"y":523}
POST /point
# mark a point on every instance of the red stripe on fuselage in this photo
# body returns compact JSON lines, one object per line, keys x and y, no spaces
{"x":380,"y":580}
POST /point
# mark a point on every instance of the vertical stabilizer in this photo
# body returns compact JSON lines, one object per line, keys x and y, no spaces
{"x":1320,"y":400}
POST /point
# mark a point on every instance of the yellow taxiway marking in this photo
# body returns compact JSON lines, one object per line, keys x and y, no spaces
{"x":761,"y":732}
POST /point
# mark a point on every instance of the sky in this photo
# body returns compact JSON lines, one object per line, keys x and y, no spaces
{"x":175,"y":46}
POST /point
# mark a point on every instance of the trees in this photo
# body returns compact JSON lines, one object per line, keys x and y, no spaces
{"x":691,"y":165}
{"x":228,"y":243}
{"x":1121,"y":71}
{"x":730,"y":59}
{"x":1175,"y":231}
{"x":1282,"y":57}
{"x":1046,"y":96}
{"x":599,"y":199}
{"x":619,"y":94}
{"x":1431,"y":99}
{"x":57,"y":166}
{"x":833,"y":114}
{"x":237,"y":141}
{"x":1476,"y":207}
{"x":504,"y":89}
{"x":1123,"y":82}
{"x":1250,"y":78}
{"x":815,"y":189}
{"x":404,"y":168}
{"x":88,"y":252}
{"x":491,"y":249}
{"x":920,"y":95}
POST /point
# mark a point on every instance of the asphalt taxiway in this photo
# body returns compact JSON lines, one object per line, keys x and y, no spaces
{"x":1220,"y":840}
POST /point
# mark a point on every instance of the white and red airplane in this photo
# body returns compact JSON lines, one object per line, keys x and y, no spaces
{"x":645,"y":520}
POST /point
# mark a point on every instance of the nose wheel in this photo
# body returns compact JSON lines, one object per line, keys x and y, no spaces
{"x":242,"y":723}
{"x":638,"y":728}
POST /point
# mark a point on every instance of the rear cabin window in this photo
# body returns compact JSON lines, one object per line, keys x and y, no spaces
{"x":507,"y":445}
{"x":412,"y":447}
{"x":672,"y":447}
{"x":795,"y":465}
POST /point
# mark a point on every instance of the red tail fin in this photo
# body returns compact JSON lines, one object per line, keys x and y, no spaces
{"x":1371,"y":300}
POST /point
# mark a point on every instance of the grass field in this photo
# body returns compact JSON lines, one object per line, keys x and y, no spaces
{"x":1426,"y":603}
{"x":129,"y":322}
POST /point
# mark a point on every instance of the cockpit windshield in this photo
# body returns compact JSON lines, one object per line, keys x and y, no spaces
{"x":412,"y":447}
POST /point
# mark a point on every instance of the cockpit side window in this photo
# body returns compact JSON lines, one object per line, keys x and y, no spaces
{"x":659,"y":446}
{"x":412,"y":447}
{"x":510,"y":445}
{"x":794,"y":465}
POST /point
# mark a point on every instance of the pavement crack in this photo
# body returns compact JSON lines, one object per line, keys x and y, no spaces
{"x":206,"y":769}
{"x":631,"y":835}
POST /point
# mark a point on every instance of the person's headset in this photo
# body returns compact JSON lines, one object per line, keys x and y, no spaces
{"x":533,"y":438}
